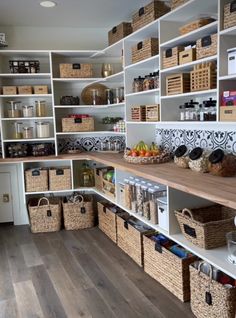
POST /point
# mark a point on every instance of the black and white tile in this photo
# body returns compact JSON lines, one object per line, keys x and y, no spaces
{"x":208,"y":139}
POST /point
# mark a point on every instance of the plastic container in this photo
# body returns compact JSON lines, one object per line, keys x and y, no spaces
{"x":27,"y":132}
{"x":28,"y":111}
{"x":231,"y":61}
{"x":42,"y":129}
{"x":40,"y":108}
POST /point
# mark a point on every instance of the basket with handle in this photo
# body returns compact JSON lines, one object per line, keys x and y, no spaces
{"x":44,"y":214}
{"x":206,"y":227}
{"x":78,"y":214}
{"x":209,"y":298}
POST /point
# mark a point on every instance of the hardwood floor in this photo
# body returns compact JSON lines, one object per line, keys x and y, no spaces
{"x":76,"y":274}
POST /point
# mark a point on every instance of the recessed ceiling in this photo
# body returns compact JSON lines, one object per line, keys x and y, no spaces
{"x":68,"y":13}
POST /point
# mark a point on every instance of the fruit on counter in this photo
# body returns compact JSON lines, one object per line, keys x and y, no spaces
{"x":143,"y":150}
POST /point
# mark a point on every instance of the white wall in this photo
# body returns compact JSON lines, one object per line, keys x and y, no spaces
{"x":44,"y":38}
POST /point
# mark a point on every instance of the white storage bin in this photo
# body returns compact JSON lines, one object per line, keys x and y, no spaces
{"x":231,"y":61}
{"x":162,"y":213}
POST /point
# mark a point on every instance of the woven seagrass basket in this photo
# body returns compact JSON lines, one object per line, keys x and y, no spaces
{"x":162,"y":158}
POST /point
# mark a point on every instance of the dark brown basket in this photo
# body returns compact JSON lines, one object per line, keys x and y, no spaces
{"x":78,"y":214}
{"x":209,"y":298}
{"x":149,"y":13}
{"x":44,"y":214}
{"x":119,"y":32}
{"x":145,"y":49}
{"x":167,"y":268}
{"x":206,"y":227}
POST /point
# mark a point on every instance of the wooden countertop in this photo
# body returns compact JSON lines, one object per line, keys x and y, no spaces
{"x":216,"y":189}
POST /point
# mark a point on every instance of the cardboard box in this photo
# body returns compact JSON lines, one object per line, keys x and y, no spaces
{"x":228,"y":113}
{"x":9,"y":90}
{"x":228,"y":98}
{"x":40,"y":89}
{"x":24,"y":90}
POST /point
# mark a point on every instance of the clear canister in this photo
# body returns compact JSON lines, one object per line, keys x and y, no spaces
{"x":41,"y":108}
{"x":42,"y":129}
{"x":28,"y":132}
{"x":153,"y":195}
{"x":146,"y":209}
{"x":28,"y":111}
{"x":17,"y":130}
{"x":14,"y":111}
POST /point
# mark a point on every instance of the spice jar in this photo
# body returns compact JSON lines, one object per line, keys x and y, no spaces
{"x":28,"y":132}
{"x":199,"y":160}
{"x":40,"y":108}
{"x":221,"y":164}
{"x":27,"y":111}
{"x":156,"y":80}
{"x":42,"y":130}
{"x":181,"y":158}
{"x":14,"y":112}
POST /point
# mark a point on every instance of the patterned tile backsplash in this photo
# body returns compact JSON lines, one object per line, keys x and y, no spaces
{"x":86,"y":143}
{"x":208,"y":139}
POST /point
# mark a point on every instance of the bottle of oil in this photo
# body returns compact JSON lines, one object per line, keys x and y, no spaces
{"x":87,"y":176}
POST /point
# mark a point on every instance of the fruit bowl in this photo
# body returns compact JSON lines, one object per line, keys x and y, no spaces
{"x":162,"y":157}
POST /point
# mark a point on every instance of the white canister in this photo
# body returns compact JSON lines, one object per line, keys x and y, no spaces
{"x":231,"y":61}
{"x":28,"y":111}
{"x":162,"y":213}
{"x":42,"y":129}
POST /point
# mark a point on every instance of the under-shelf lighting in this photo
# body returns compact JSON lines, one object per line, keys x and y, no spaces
{"x":48,"y":4}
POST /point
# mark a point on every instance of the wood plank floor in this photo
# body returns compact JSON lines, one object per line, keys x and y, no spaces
{"x":76,"y":274}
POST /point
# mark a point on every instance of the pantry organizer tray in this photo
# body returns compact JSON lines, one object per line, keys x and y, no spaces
{"x":206,"y":227}
{"x":162,"y":158}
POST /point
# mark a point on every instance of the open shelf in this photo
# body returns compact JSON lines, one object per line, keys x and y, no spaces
{"x":90,"y":106}
{"x":26,"y":75}
{"x":28,"y":140}
{"x":229,"y":31}
{"x":151,"y":91}
{"x":25,"y":95}
{"x":228,"y":77}
{"x":90,"y":79}
{"x":209,"y":92}
{"x":108,"y":133}
{"x":151,"y":62}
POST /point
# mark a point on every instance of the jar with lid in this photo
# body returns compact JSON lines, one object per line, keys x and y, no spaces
{"x":127,"y":194}
{"x":199,"y":160}
{"x":182,"y":112}
{"x":146,"y":83}
{"x":96,"y":98}
{"x":153,"y":205}
{"x":110,"y":145}
{"x":42,"y":129}
{"x":119,"y":95}
{"x":28,"y":132}
{"x":40,"y":108}
{"x":194,"y":106}
{"x":138,"y":84}
{"x":151,"y":81}
{"x":15,"y":111}
{"x":139,"y":195}
{"x":146,"y":203}
{"x":133,"y":194}
{"x":200,"y":113}
{"x":221,"y":164}
{"x":156,"y":80}
{"x":117,"y":146}
{"x":17,"y":130}
{"x":109,"y":96}
{"x":210,"y":109}
{"x":181,"y":158}
{"x":28,"y":111}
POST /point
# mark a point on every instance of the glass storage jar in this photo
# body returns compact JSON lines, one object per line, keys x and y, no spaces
{"x":28,"y":111}
{"x":199,"y":160}
{"x":40,"y":108}
{"x":15,"y":111}
{"x":42,"y":129}
{"x":181,"y":158}
{"x":221,"y":164}
{"x":17,"y":134}
{"x":27,"y":132}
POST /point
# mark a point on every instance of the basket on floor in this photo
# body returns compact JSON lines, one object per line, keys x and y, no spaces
{"x":206,"y":227}
{"x":44,"y":214}
{"x":78,"y":214}
{"x":209,"y":298}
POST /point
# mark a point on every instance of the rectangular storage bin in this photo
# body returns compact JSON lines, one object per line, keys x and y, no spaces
{"x":152,"y":113}
{"x":138,"y":113}
{"x":145,"y":49}
{"x":25,"y":90}
{"x":187,"y":56}
{"x":119,"y":32}
{"x":230,"y":14}
{"x":177,"y":3}
{"x":203,"y":77}
{"x":44,"y":214}
{"x":206,"y":227}
{"x":76,"y":70}
{"x":24,"y":66}
{"x":59,"y":178}
{"x":129,"y":239}
{"x":207,"y":46}
{"x":9,"y":90}
{"x":177,"y":84}
{"x":79,"y":214}
{"x":77,"y":124}
{"x":194,"y":25}
{"x":167,"y":268}
{"x":210,"y":298}
{"x":170,"y":57}
{"x":36,"y":180}
{"x":228,"y":113}
{"x":149,"y":13}
{"x":40,"y":89}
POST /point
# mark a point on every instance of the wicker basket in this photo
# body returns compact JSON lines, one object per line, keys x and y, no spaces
{"x":167,"y":268}
{"x":78,"y":214}
{"x":77,"y":124}
{"x":207,"y":46}
{"x":36,"y":180}
{"x":162,"y":158}
{"x":177,"y":3}
{"x":129,"y":239}
{"x":145,"y":49}
{"x":76,"y":70}
{"x":59,"y":178}
{"x":209,"y":298}
{"x":44,"y":214}
{"x":149,"y":13}
{"x":119,"y":32}
{"x":203,"y":77}
{"x":177,"y":84}
{"x":230,"y":15}
{"x":170,"y":57}
{"x":195,"y":25}
{"x":206,"y":227}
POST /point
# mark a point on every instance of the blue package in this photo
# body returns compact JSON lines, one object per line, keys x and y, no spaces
{"x":179,"y":251}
